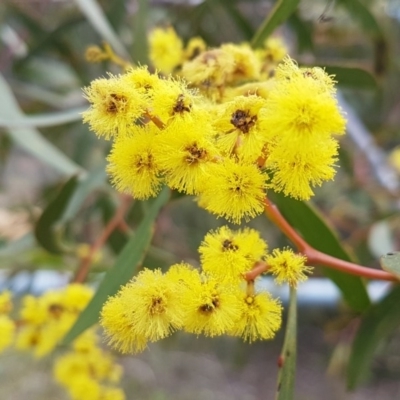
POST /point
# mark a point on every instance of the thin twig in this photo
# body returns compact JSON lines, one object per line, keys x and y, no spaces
{"x":314,"y":257}
{"x":114,"y":222}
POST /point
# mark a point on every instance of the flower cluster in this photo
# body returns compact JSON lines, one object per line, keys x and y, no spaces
{"x":213,"y":301}
{"x":88,"y":372}
{"x":46,"y":319}
{"x":224,"y":128}
{"x":7,"y":325}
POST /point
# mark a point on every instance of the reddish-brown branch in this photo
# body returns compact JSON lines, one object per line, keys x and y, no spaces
{"x":314,"y":257}
{"x":258,"y":269}
{"x":272,"y":212}
{"x":114,"y":222}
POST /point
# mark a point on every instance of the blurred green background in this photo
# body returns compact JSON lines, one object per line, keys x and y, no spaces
{"x":43,"y":143}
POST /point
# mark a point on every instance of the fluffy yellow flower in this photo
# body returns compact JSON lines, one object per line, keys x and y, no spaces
{"x":185,"y":155}
{"x":261,"y":317}
{"x":228,"y":254}
{"x":109,"y":393}
{"x":133,"y":167}
{"x":166,"y":49}
{"x":299,"y":166}
{"x":142,"y":80}
{"x":209,"y":71}
{"x":183,"y":274}
{"x":210,"y":307}
{"x":115,"y":106}
{"x":173,"y":100}
{"x":275,"y":49}
{"x":7,"y":329}
{"x":84,"y":388}
{"x":116,"y":320}
{"x":46,"y":319}
{"x":157,"y":309}
{"x":260,"y":89}
{"x":5,"y":302}
{"x":238,"y":130}
{"x":234,"y":191}
{"x":195,"y":46}
{"x":247,"y":65}
{"x":296,"y":110}
{"x":147,"y":309}
{"x":76,"y":297}
{"x":287,"y":266}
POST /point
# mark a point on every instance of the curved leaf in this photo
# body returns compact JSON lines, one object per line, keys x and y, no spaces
{"x":352,"y":76}
{"x":45,"y":230}
{"x":86,"y":184}
{"x":30,"y":139}
{"x":390,"y":262}
{"x":123,"y":270}
{"x":282,"y":10}
{"x":360,"y":12}
{"x":43,"y":120}
{"x":314,"y":230}
{"x":379,"y":322}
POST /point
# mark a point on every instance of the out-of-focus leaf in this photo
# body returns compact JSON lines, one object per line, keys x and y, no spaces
{"x":123,"y":270}
{"x":45,"y":230}
{"x":18,"y":246}
{"x":378,"y":323}
{"x":96,"y":16}
{"x":30,"y":139}
{"x":282,"y":10}
{"x":352,"y":77}
{"x":360,"y":12}
{"x":390,"y":262}
{"x":314,"y":230}
{"x":43,"y":120}
{"x":287,"y":372}
{"x":303,"y":32}
{"x":380,"y":238}
{"x":85,"y":185}
{"x":140,"y":44}
{"x":370,"y":25}
{"x":238,"y":18}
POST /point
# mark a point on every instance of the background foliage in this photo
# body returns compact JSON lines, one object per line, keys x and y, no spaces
{"x":55,"y":196}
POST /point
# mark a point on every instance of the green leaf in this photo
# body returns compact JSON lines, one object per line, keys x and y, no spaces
{"x":43,"y":120}
{"x":30,"y":139}
{"x":46,"y":228}
{"x":86,"y":184}
{"x":380,"y":321}
{"x":140,"y":44}
{"x":360,"y":12}
{"x":305,"y":219}
{"x":390,"y":262}
{"x":282,"y":10}
{"x":287,"y":372}
{"x":381,"y":238}
{"x":352,"y":77}
{"x":123,"y":270}
{"x":303,"y":32}
{"x":238,"y":18}
{"x":18,"y":246}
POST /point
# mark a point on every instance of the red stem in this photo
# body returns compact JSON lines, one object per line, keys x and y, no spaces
{"x":115,"y":221}
{"x":315,"y":257}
